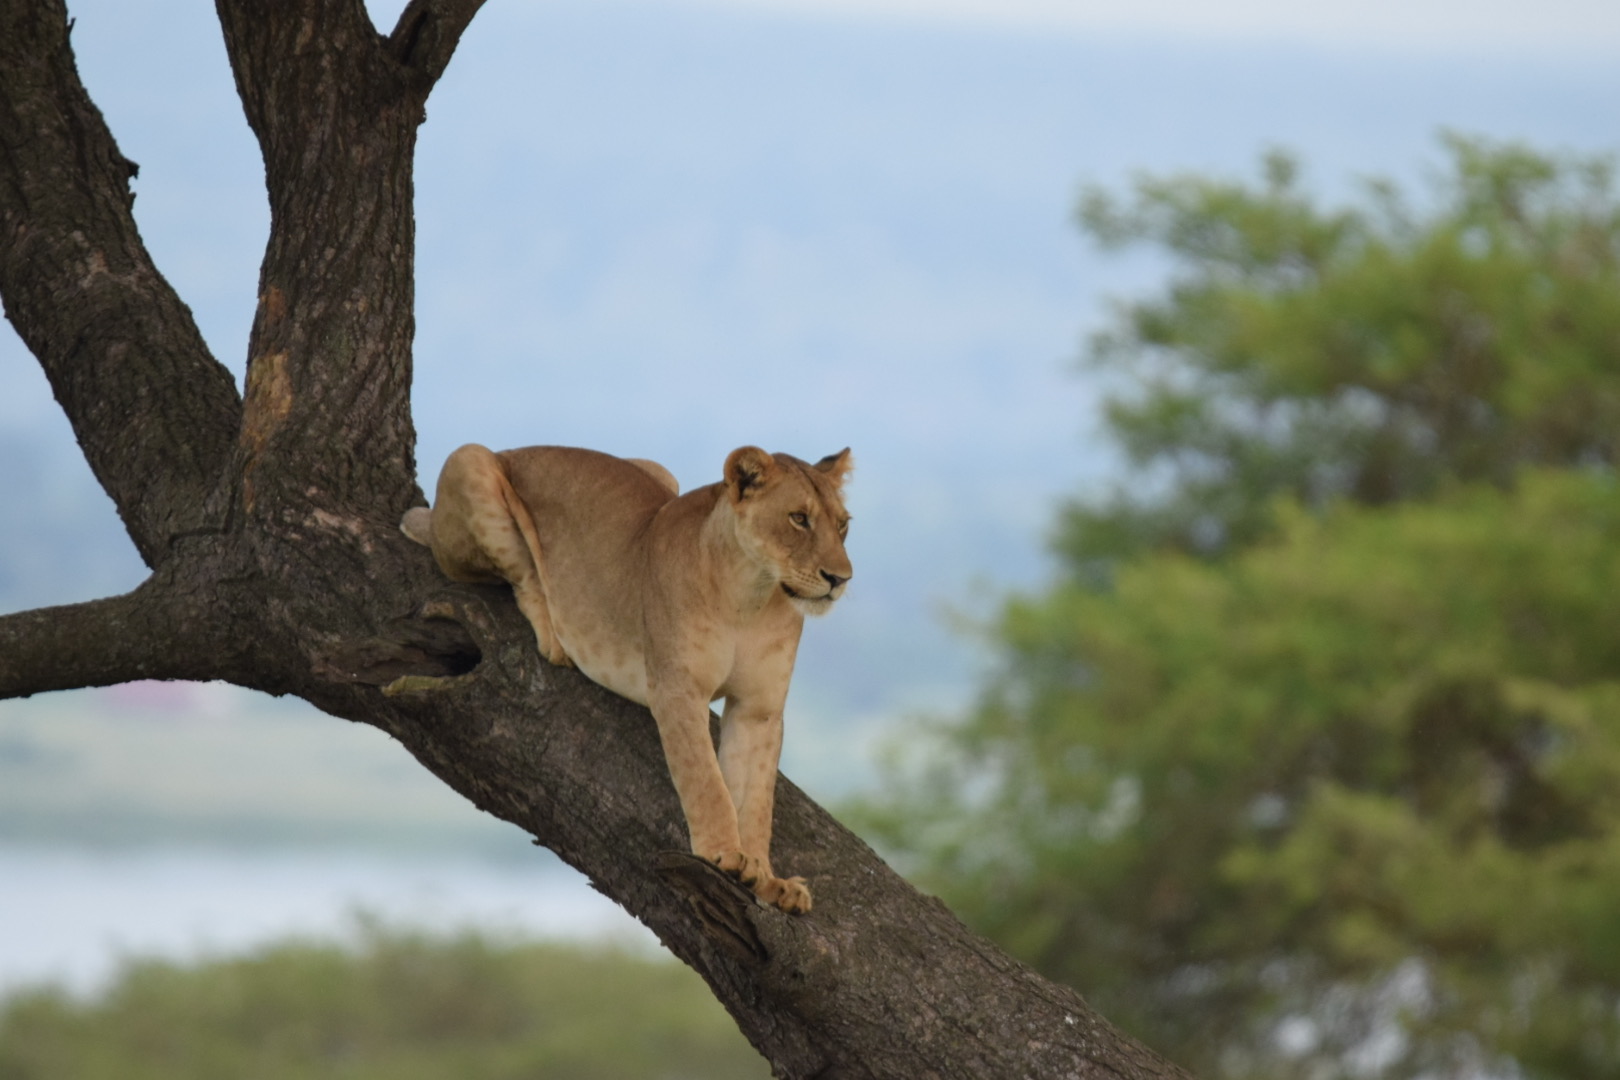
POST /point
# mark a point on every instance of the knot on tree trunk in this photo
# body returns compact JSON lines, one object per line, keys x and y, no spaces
{"x":723,"y":906}
{"x":412,"y":653}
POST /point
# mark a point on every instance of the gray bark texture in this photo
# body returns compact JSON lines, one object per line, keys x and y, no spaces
{"x":269,"y":522}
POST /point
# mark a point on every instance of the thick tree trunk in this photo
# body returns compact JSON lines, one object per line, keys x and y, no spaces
{"x":270,"y":524}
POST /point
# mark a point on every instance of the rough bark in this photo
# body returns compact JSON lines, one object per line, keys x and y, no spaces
{"x":153,"y":412}
{"x":270,"y":524}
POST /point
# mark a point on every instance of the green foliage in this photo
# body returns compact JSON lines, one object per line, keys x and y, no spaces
{"x":1370,"y":352}
{"x":1309,"y":765}
{"x":1367,"y":772}
{"x":400,"y":1006}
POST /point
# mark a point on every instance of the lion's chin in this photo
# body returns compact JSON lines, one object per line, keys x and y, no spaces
{"x":810,"y":605}
{"x":813,"y":606}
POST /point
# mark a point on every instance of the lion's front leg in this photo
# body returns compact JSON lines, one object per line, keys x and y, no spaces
{"x":711,"y":819}
{"x":750,"y":748}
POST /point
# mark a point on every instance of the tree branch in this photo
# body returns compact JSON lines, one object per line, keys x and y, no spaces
{"x":335,"y":107}
{"x":154,"y":412}
{"x":878,"y":981}
{"x":155,"y":632}
{"x":427,"y":34}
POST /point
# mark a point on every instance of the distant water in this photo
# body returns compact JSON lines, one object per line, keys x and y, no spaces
{"x":70,"y":916}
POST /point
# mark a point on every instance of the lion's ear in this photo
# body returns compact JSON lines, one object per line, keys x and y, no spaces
{"x":838,"y":466}
{"x":747,"y":470}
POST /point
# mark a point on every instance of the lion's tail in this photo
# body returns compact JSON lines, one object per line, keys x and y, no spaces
{"x":418,"y":525}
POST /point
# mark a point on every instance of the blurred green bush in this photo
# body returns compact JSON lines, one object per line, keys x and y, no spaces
{"x":1307,"y":766}
{"x":398,"y":1005}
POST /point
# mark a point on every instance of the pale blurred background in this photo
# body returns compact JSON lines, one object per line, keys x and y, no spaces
{"x":664,"y":230}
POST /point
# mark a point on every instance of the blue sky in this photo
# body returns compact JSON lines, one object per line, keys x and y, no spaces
{"x":669,"y":229}
{"x":1509,"y":28}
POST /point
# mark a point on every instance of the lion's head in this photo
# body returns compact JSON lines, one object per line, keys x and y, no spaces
{"x":792,"y":522}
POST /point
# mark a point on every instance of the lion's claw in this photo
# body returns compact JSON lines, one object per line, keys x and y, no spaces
{"x":791,"y":895}
{"x":746,"y":868}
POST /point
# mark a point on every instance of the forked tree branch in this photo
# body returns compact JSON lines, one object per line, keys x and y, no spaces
{"x":335,"y":107}
{"x":155,"y":414}
{"x":313,"y":591}
{"x":428,"y":32}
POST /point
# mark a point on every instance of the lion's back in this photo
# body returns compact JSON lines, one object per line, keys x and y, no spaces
{"x":583,"y":490}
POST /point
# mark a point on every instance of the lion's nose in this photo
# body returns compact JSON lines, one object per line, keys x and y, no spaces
{"x":833,"y":580}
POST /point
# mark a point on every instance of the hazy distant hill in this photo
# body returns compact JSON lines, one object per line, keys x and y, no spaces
{"x":212,"y":765}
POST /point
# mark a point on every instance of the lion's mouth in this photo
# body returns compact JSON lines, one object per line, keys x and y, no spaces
{"x":826,"y":596}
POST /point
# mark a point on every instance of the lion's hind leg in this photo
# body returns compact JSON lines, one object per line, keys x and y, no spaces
{"x":481,"y":531}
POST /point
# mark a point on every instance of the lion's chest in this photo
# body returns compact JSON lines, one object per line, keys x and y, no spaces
{"x":752,"y":662}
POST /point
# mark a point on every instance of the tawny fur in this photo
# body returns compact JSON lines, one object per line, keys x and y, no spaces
{"x":673,"y":601}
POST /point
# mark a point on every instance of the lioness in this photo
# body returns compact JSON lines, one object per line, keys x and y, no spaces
{"x":670,"y":600}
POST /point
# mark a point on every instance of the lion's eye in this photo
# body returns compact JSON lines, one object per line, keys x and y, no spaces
{"x":801,"y":519}
{"x":843,"y":527}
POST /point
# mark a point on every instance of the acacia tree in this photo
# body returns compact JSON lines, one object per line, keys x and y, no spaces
{"x":268,"y":519}
{"x":1305,"y":764}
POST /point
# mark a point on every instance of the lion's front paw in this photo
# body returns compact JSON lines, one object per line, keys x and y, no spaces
{"x":792,"y":895}
{"x":746,"y":868}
